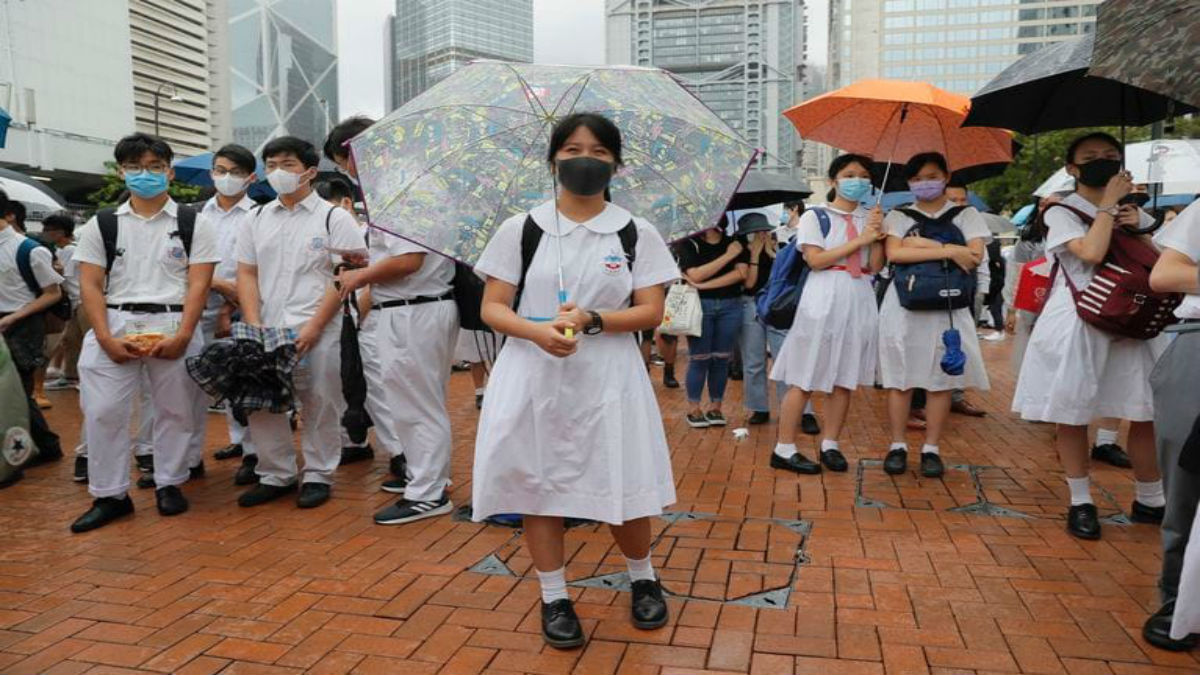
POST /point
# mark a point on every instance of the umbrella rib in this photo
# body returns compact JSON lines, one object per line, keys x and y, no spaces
{"x":715,"y":132}
{"x":529,"y":95}
{"x":468,"y":107}
{"x":586,"y":79}
{"x":668,"y":183}
{"x":524,"y":158}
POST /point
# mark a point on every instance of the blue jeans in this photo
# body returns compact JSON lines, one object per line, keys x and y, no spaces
{"x":708,"y":355}
{"x":756,"y":338}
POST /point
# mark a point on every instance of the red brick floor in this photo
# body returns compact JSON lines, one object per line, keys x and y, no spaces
{"x":896,"y":584}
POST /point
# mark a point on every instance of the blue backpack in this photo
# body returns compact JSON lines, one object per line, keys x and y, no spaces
{"x":937,"y":284}
{"x":776,"y":303}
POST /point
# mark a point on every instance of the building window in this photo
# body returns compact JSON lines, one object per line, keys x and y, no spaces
{"x":1030,"y":31}
{"x":1032,"y":14}
{"x":1069,"y":12}
{"x":1060,"y":29}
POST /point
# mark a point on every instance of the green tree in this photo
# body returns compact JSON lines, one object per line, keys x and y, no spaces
{"x":113,"y":187}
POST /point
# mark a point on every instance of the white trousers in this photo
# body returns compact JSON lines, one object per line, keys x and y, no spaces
{"x":406,"y":357}
{"x":143,"y":440}
{"x":237,"y":432}
{"x":318,"y":384}
{"x":106,"y":389}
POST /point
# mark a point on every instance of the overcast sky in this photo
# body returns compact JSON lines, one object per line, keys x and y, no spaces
{"x":564,"y":31}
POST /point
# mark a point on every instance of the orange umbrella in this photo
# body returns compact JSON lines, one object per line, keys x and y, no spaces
{"x":892,"y":120}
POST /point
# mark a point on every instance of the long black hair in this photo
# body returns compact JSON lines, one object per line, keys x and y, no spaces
{"x":918,"y":162}
{"x":1094,"y":136}
{"x":601,"y":127}
{"x":842,"y":161}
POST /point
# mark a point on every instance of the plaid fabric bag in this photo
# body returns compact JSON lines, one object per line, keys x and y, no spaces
{"x":251,"y":370}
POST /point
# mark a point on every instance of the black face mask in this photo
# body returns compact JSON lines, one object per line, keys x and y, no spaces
{"x":1098,"y":172}
{"x":585,"y":176}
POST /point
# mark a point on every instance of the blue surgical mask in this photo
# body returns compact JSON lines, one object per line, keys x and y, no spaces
{"x":785,"y":217}
{"x":853,"y":189}
{"x":146,"y":184}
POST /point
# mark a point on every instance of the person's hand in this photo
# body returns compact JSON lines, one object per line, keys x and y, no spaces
{"x":308,"y":337}
{"x":171,"y":348}
{"x":1129,"y":216}
{"x":735,"y":249}
{"x":1010,"y":323}
{"x":7,"y":322}
{"x":1118,"y":187}
{"x":550,"y":336}
{"x":350,"y":281}
{"x":963,"y":257}
{"x":577,"y":319}
{"x":758,"y":244}
{"x":875,"y":220}
{"x":227,"y":289}
{"x":224,"y":327}
{"x":119,"y":351}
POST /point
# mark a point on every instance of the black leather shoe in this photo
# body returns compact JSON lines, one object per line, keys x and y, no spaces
{"x":1112,"y":454}
{"x":246,"y":474}
{"x":170,"y":501}
{"x":797,"y":463}
{"x":145,"y":463}
{"x":229,"y":452}
{"x":896,"y":462}
{"x":398,"y":467}
{"x":263,"y":493}
{"x":931,"y":465}
{"x":351,"y":454}
{"x":312,"y":495}
{"x":196,"y":471}
{"x":104,"y":510}
{"x":1083,"y":521}
{"x":758,"y":417}
{"x":81,"y":470}
{"x":1153,"y":515}
{"x":810,"y":425}
{"x":145,"y":481}
{"x":560,"y":625}
{"x":834,"y":460}
{"x":649,"y":605}
{"x":1157,"y":631}
{"x":479,"y":401}
{"x":669,"y":380}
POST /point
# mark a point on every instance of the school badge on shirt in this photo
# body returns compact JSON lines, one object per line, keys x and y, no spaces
{"x":317,"y":244}
{"x":176,"y":253}
{"x":613,"y":262}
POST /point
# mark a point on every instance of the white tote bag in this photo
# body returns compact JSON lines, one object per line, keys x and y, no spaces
{"x":682,"y":314}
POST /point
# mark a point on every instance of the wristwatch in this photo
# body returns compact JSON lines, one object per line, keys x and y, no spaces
{"x":1113,"y":211}
{"x":595,"y":326}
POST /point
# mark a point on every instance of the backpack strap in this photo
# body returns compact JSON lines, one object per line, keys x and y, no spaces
{"x":823,"y":219}
{"x":185,"y":217}
{"x":1087,"y":220}
{"x":106,"y":219}
{"x":920,"y":220}
{"x":25,"y":265}
{"x":531,"y":236}
{"x":629,"y":240}
{"x":328,"y":217}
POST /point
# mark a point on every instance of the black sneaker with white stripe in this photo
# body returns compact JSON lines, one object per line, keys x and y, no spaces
{"x":406,"y":511}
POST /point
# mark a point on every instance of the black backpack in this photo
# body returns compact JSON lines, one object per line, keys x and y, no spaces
{"x":937,"y":284}
{"x":107,"y":219}
{"x":60,"y":310}
{"x":531,"y":236}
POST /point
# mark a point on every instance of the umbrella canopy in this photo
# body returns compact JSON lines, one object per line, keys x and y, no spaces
{"x":1164,"y":161}
{"x":34,"y":196}
{"x":1150,"y":45}
{"x":5,"y":120}
{"x":759,"y":189}
{"x":1050,"y":89}
{"x":1022,"y":216}
{"x":1059,"y":181}
{"x":449,"y":166}
{"x":892,"y":120}
{"x":999,"y":225}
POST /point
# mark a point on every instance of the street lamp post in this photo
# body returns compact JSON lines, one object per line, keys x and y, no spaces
{"x":162,"y":88}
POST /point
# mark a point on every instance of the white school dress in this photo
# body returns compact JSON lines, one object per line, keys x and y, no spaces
{"x":1072,"y":372}
{"x":832,"y":342}
{"x":580,"y":436}
{"x":910,"y":343}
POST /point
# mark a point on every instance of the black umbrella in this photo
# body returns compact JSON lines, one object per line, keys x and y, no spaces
{"x":355,"y":420}
{"x":1050,"y":89}
{"x":759,"y":189}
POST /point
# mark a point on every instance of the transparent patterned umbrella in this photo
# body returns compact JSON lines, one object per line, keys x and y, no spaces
{"x":448,"y":167}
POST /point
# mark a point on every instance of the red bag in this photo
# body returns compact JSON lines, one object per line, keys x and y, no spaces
{"x":1033,"y":287}
{"x":1118,"y":299}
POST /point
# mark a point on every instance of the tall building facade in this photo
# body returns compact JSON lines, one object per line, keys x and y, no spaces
{"x":283,"y":69}
{"x":430,"y":39}
{"x":958,"y":45}
{"x":743,"y":58}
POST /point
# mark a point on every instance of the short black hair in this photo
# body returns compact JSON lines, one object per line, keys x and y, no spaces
{"x":334,"y":188}
{"x":132,"y":147}
{"x":603,"y":128}
{"x":335,"y":142}
{"x":290,"y":145}
{"x":15,"y":209}
{"x":842,"y":161}
{"x":61,"y":221}
{"x":239,"y":155}
{"x":1094,"y":136}
{"x":918,"y":162}
{"x":799,"y":206}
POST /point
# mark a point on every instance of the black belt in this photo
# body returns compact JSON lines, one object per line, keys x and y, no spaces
{"x":419,"y":300}
{"x":146,"y":308}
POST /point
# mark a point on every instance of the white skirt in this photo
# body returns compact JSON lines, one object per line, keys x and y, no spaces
{"x":580,"y":436}
{"x":832,"y":342}
{"x":911,"y":348}
{"x":1073,"y":373}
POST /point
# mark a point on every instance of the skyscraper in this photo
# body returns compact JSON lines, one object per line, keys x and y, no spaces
{"x":743,"y":58}
{"x":433,"y":38}
{"x":283,"y":69}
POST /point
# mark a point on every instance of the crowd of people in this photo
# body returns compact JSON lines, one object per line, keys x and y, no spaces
{"x":570,"y":424}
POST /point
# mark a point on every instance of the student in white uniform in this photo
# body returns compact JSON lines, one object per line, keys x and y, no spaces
{"x":155,"y":285}
{"x":407,"y":342}
{"x":285,"y":280}
{"x":910,"y":342}
{"x":1074,"y":372}
{"x":572,"y":427}
{"x":831,"y":347}
{"x":1176,"y":407}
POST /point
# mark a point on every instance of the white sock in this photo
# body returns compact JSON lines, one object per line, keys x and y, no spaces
{"x":785,"y":450}
{"x":1106,"y":437}
{"x":829,"y":444}
{"x":640,"y":570}
{"x":554,"y":585}
{"x":930,"y":449}
{"x":1081,"y":490}
{"x":480,"y":391}
{"x":1150,"y":494}
{"x":898,"y":445}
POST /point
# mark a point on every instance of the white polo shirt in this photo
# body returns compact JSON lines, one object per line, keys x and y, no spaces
{"x":1183,"y":235}
{"x":227,"y":225}
{"x":14,"y":292}
{"x":151,"y":264}
{"x":291,"y":248}
{"x":70,"y":272}
{"x":433,"y":279}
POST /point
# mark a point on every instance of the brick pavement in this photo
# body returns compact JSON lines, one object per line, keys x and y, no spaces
{"x":868,"y":574}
